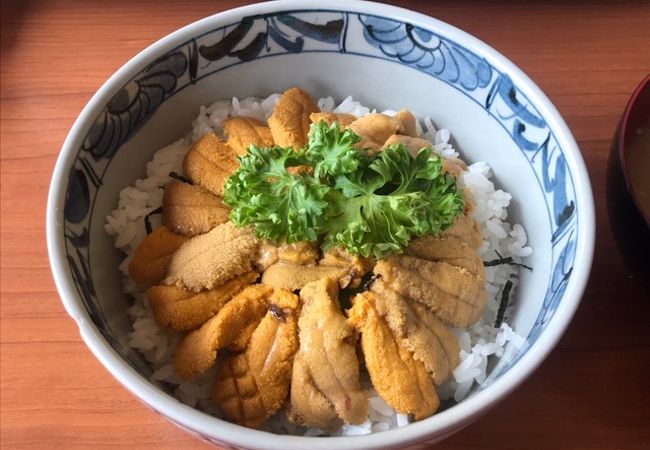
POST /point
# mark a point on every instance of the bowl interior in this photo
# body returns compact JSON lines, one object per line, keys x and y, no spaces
{"x":382,"y":60}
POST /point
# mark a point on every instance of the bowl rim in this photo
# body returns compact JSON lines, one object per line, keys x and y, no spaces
{"x":438,"y":426}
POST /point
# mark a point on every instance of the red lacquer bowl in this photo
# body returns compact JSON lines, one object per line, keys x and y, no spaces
{"x":630,"y":224}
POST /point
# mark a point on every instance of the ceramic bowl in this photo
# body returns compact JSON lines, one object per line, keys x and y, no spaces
{"x":384,"y":56}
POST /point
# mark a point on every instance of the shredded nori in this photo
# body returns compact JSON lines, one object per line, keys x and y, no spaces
{"x":368,"y":282}
{"x":345,"y":296}
{"x":147,"y":220}
{"x":501,"y":260}
{"x":505,"y":299}
{"x":179,"y":177}
{"x":278,"y":313}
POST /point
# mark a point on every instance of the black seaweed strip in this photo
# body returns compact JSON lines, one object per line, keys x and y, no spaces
{"x":179,"y":177}
{"x":147,"y":221}
{"x":505,"y":299}
{"x":501,"y":260}
{"x":278,"y":313}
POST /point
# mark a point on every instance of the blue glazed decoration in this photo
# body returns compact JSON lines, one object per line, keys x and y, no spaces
{"x":427,"y":52}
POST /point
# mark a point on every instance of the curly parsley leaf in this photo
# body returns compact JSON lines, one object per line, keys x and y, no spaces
{"x":284,"y":206}
{"x":369,"y":205}
{"x":377,"y":210}
{"x":331,"y":150}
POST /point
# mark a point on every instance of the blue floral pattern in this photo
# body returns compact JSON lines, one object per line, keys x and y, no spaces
{"x":427,"y":52}
{"x":320,"y":31}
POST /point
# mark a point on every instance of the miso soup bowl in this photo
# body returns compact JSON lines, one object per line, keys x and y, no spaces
{"x":386,"y":57}
{"x":631,"y":227}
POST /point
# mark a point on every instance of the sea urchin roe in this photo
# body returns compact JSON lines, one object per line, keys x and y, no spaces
{"x":419,"y":331}
{"x":453,"y":293}
{"x":180,"y":309}
{"x":152,"y":257}
{"x":449,"y":249}
{"x":251,"y":386}
{"x":293,"y":276}
{"x":309,"y":406}
{"x":243,"y":132}
{"x":191,"y":210}
{"x":399,"y":379}
{"x":290,"y":121}
{"x":465,"y":228}
{"x":197,"y":352}
{"x":412,"y":144}
{"x":344,"y":120}
{"x":374,"y":129}
{"x":326,"y":365}
{"x":210,"y":162}
{"x":302,"y":253}
{"x":358,"y":266}
{"x":406,"y":121}
{"x":211,"y":259}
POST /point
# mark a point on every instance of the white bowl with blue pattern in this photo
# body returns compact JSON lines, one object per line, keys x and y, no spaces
{"x":385,"y":57}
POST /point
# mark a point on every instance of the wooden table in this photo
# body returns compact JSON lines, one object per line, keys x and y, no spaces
{"x":593,"y":392}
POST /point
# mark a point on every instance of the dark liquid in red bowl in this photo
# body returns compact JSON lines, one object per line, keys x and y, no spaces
{"x":628,"y":184}
{"x":638,"y":167}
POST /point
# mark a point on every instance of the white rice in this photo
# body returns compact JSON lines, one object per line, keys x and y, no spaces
{"x":479,"y":345}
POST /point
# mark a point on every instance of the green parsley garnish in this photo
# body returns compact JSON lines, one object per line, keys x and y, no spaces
{"x":334,"y":192}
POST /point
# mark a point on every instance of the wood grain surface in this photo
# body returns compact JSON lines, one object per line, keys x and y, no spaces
{"x":593,"y":391}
